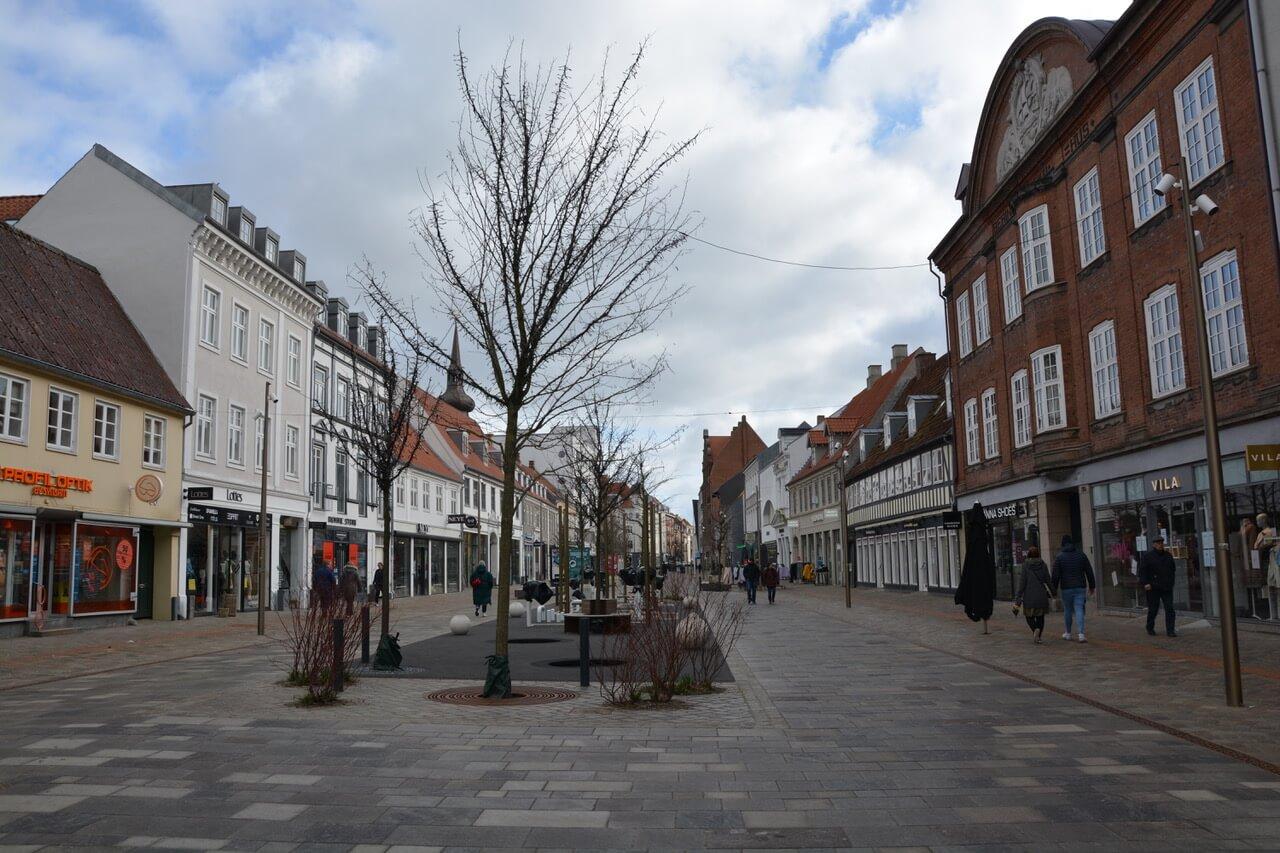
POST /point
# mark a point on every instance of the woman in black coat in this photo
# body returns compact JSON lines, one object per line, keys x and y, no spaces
{"x":1033,"y":593}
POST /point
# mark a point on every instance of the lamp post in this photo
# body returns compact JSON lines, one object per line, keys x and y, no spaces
{"x":1213,"y":452}
{"x":844,"y":533}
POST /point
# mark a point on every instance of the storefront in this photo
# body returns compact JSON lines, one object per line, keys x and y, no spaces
{"x":1014,"y":527}
{"x":222,"y":558}
{"x":427,"y":564}
{"x":921,"y":553}
{"x":1173,"y":503}
{"x":337,"y":545}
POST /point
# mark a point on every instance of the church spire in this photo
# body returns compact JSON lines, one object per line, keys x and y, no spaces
{"x":454,"y":393}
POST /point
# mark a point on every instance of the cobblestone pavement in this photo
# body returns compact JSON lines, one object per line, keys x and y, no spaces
{"x":838,"y":733}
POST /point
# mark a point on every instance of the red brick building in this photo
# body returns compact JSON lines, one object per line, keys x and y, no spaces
{"x":1068,"y":291}
{"x":720,"y":498}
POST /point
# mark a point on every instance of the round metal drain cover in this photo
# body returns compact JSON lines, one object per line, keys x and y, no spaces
{"x":520,"y":695}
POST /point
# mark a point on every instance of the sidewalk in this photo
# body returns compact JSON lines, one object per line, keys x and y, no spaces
{"x":1176,"y":682}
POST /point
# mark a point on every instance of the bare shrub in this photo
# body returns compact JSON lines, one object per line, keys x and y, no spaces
{"x":622,"y":683}
{"x":651,"y":658}
{"x":724,"y":617}
{"x":309,"y":639}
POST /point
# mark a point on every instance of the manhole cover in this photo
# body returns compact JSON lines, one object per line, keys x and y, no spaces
{"x":519,"y":696}
{"x":534,"y":640}
{"x":594,"y":662}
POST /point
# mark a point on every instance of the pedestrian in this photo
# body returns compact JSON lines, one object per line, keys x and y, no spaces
{"x":379,"y":576}
{"x":793,"y":572}
{"x":1034,"y":593}
{"x":1072,"y":575}
{"x":324,"y":583}
{"x":771,"y":580}
{"x":1156,"y":573}
{"x":751,"y":575}
{"x":349,"y":585}
{"x":481,"y":589}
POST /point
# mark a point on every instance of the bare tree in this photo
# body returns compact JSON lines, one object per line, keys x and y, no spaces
{"x":383,"y":421}
{"x":549,"y":241}
{"x":716,"y":524}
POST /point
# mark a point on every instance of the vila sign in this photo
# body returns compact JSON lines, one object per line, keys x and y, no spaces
{"x":47,"y":485}
{"x":1262,"y":457}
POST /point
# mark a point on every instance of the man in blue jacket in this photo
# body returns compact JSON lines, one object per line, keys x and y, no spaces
{"x":1072,"y":575}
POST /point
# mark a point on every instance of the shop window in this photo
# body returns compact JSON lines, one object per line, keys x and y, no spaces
{"x":153,"y":429}
{"x":15,"y":567}
{"x":962,"y":324}
{"x":1224,"y":313}
{"x":990,"y":425}
{"x":206,"y":409}
{"x":235,"y":435}
{"x":61,"y":434}
{"x":1143,"y":147}
{"x":981,"y":315}
{"x":1046,"y":369}
{"x":106,"y":430}
{"x":1106,"y":370}
{"x":1164,"y":342}
{"x":1115,"y":492}
{"x":13,"y":408}
{"x":1093,"y":241}
{"x":1010,"y":285}
{"x":210,"y":306}
{"x":1020,"y":398}
{"x":971,"y":452}
{"x":239,"y":332}
{"x":105,"y":568}
{"x":1199,"y":123}
{"x":1037,"y":254}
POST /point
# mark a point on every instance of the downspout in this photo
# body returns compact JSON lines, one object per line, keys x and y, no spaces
{"x":1266,"y":106}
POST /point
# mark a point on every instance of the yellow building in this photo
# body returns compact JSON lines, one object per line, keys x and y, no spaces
{"x":91,"y":433}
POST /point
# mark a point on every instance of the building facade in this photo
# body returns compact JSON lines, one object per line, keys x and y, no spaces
{"x":1070,"y":296}
{"x":91,"y":448}
{"x":719,"y":511}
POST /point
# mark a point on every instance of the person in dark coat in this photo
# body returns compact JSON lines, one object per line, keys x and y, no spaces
{"x":771,"y":580}
{"x":379,"y":574}
{"x":481,"y":589}
{"x":324,"y":583}
{"x":349,"y":586}
{"x":977,"y":588}
{"x":793,"y":572}
{"x":1033,"y":593}
{"x":751,"y":575}
{"x":1156,"y":573}
{"x":1072,"y":575}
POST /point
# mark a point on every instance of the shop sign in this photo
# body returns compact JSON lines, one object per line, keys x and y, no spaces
{"x":423,"y":528}
{"x":45,"y":484}
{"x":465,"y":520}
{"x":952,"y":520}
{"x":221,"y":515}
{"x":527,"y":538}
{"x":1014,"y":509}
{"x":148,"y":488}
{"x":345,"y":522}
{"x":1169,"y":482}
{"x":198,"y":493}
{"x":1262,"y":457}
{"x":235,"y":497}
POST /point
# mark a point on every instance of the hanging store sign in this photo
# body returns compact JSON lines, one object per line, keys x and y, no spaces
{"x":148,"y":488}
{"x":198,"y":493}
{"x":45,"y":484}
{"x":206,"y":514}
{"x":465,"y":520}
{"x":1262,"y":457}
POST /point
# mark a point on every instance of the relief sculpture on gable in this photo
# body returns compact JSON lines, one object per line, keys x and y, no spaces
{"x":1034,"y":100}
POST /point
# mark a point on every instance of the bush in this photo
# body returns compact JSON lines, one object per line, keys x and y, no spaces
{"x":309,"y":639}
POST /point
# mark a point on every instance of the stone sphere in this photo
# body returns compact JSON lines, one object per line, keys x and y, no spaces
{"x":460,"y":625}
{"x":692,"y":632}
{"x":518,"y":609}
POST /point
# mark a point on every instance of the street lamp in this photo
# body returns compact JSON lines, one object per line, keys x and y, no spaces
{"x":1213,"y":452}
{"x":844,"y":533}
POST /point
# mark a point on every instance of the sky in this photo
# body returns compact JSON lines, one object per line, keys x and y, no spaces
{"x":833,"y":132}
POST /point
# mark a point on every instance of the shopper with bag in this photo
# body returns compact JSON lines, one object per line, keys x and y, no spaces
{"x":481,"y":589}
{"x":1034,"y":593}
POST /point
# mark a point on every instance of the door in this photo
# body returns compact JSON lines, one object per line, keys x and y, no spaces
{"x":146,"y":573}
{"x":1176,"y":522}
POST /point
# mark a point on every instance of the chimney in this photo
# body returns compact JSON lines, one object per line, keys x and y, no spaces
{"x":821,"y":419}
{"x":873,"y":373}
{"x":336,"y":315}
{"x":899,"y":356}
{"x":355,"y":328}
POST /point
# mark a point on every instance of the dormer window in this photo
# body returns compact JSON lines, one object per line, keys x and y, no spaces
{"x":246,"y":230}
{"x":299,"y":270}
{"x":218,"y":210}
{"x":273,"y":250}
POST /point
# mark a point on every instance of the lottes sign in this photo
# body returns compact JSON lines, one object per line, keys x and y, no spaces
{"x":45,"y":484}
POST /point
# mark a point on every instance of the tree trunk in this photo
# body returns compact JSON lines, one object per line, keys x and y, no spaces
{"x":389,"y":550}
{"x":503,"y":604}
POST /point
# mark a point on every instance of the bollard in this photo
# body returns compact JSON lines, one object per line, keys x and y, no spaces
{"x":364,"y":634}
{"x":338,"y":642}
{"x":584,"y":651}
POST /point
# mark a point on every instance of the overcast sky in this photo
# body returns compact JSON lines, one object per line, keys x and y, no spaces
{"x":834,"y":133}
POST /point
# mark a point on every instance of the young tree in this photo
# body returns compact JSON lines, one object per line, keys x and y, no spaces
{"x":549,"y":242}
{"x":384,"y":421}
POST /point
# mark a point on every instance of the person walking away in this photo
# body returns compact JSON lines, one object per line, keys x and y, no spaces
{"x":481,"y":588}
{"x":1034,"y":593}
{"x":1072,"y":575}
{"x":378,"y":575}
{"x":751,"y":574}
{"x":1156,"y":573}
{"x":771,"y":580}
{"x":324,"y":583}
{"x":349,"y":584}
{"x":793,"y":572}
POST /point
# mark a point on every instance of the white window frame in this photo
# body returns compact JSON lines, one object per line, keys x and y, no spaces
{"x":240,"y":333}
{"x":272,"y":249}
{"x":1011,"y":284}
{"x":299,"y":271}
{"x":342,"y":398}
{"x":1047,"y":389}
{"x":293,"y":373}
{"x":218,"y":210}
{"x":1089,"y":229}
{"x":154,"y":428}
{"x":1105,"y":370}
{"x":1144,"y":168}
{"x":413,"y":493}
{"x":972,"y":451}
{"x":236,"y":416}
{"x":990,"y":425}
{"x":63,"y":396}
{"x":963,"y":328}
{"x":207,"y":420}
{"x":320,"y":400}
{"x":266,"y":345}
{"x":400,"y":490}
{"x":259,"y":439}
{"x":1034,"y":235}
{"x":981,"y":314}
{"x":8,"y":407}
{"x":1200,"y":136}
{"x":1164,"y":342}
{"x":107,"y":420}
{"x":246,"y":224}
{"x":1224,"y":313}
{"x":211,"y":318}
